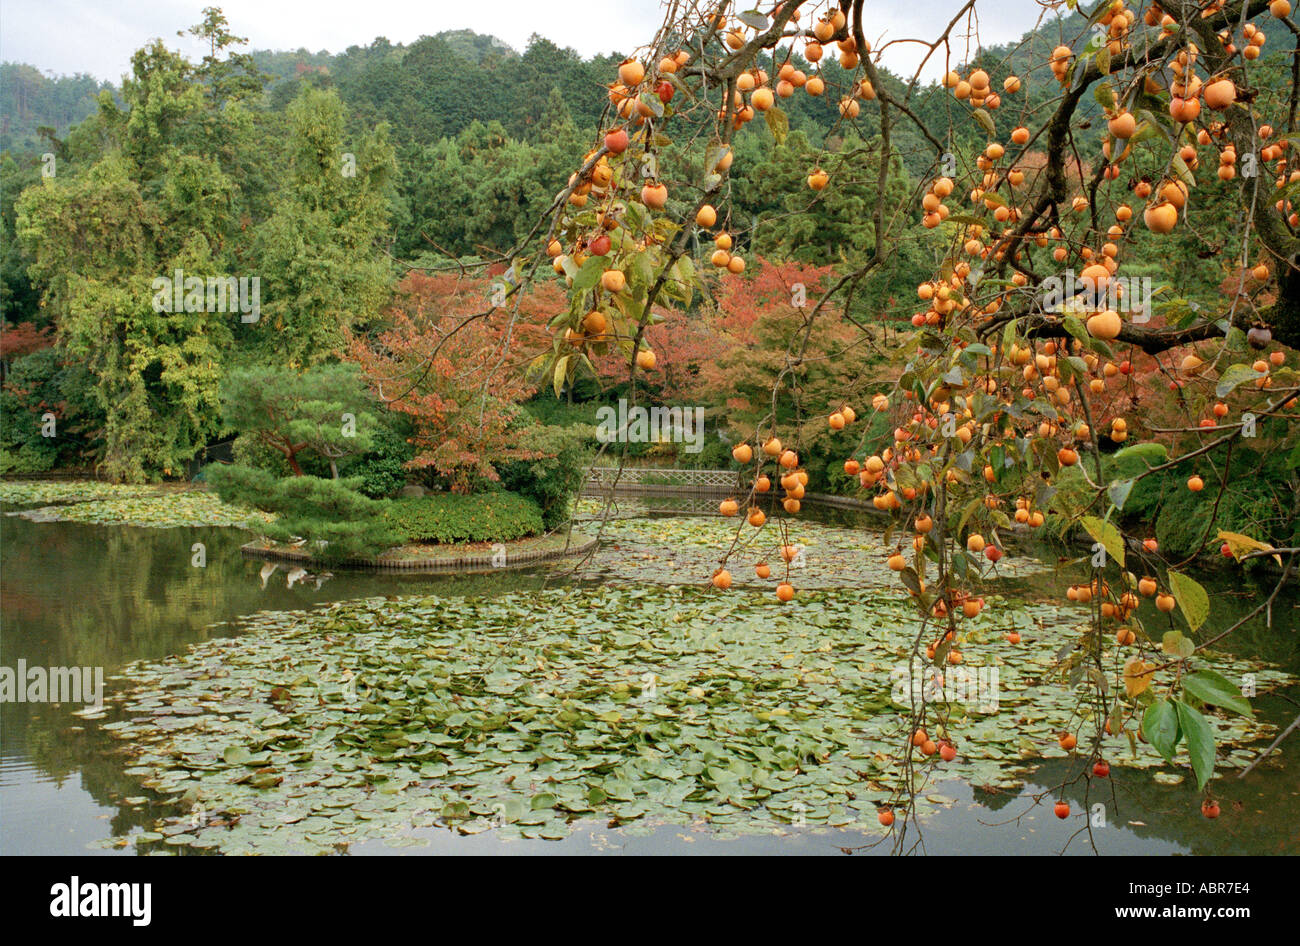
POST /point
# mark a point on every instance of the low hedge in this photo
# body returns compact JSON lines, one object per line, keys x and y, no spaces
{"x":497,"y":516}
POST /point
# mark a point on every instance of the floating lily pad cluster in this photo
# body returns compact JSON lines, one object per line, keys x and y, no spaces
{"x":634,"y":705}
{"x":153,"y":506}
{"x":687,"y":549}
{"x":43,"y":492}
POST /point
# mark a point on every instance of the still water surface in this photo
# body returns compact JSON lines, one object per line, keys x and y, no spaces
{"x":85,"y":595}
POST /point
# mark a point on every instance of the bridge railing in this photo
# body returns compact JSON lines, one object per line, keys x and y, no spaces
{"x":649,"y":481}
{"x":635,"y":506}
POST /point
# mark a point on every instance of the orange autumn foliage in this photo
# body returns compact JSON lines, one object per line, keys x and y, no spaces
{"x":442,"y":361}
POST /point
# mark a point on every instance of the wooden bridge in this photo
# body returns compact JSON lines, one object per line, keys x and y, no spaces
{"x":638,"y":491}
{"x":649,"y":481}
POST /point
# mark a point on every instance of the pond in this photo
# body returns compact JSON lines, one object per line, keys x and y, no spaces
{"x":74,"y":594}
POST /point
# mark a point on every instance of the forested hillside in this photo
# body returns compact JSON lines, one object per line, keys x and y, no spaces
{"x":787,"y":427}
{"x":469,"y":116}
{"x":30,"y":100}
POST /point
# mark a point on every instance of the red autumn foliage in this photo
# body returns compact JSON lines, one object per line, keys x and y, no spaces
{"x":443,"y":361}
{"x":710,"y":354}
{"x":757,"y":325}
{"x":22,"y":339}
{"x":682,"y":345}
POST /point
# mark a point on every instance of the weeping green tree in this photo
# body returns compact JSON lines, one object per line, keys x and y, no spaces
{"x":155,"y":366}
{"x":156,"y":188}
{"x":322,"y":266}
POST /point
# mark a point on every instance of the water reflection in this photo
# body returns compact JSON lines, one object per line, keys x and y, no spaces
{"x":84,"y":595}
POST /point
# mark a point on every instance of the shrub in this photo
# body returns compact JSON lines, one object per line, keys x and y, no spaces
{"x":715,"y":455}
{"x":1256,"y":501}
{"x":36,"y":383}
{"x":553,"y":479}
{"x":496,"y":516}
{"x":382,"y":468}
{"x":337,"y":521}
{"x":28,"y":458}
{"x":548,"y":409}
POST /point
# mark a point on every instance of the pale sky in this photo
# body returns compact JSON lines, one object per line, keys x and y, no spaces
{"x":98,"y":36}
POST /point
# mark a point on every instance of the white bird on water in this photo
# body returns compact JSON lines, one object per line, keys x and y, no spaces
{"x":297,"y":574}
{"x":267,"y":571}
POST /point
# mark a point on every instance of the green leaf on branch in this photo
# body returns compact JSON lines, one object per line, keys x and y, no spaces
{"x":1160,"y":728}
{"x":1119,"y":492}
{"x":589,"y":274}
{"x":1107,"y":535}
{"x":1151,"y":454}
{"x":1217,"y":690}
{"x":652,"y":102}
{"x":561,"y":372}
{"x":1104,"y":94}
{"x":1076,"y":328}
{"x":1103,"y":61}
{"x":1234,"y":376}
{"x":1175,"y":644}
{"x":1199,"y":737}
{"x":642,"y":270}
{"x":1009,"y":336}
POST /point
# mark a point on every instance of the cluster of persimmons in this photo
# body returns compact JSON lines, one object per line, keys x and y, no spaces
{"x":989,"y":410}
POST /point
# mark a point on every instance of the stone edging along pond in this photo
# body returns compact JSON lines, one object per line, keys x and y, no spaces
{"x":578,"y":545}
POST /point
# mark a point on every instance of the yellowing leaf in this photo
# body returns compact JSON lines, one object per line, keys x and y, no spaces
{"x":1176,"y":645}
{"x":1192,"y":598}
{"x":1137,"y":676}
{"x":1239,"y":545}
{"x":1107,"y":535}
